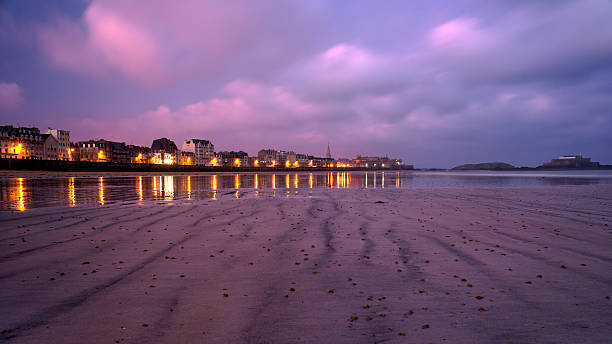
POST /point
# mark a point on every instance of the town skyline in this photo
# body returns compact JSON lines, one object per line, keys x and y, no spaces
{"x":435,"y":85}
{"x":29,"y":143}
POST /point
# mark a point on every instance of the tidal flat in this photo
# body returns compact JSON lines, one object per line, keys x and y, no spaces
{"x":439,"y":265}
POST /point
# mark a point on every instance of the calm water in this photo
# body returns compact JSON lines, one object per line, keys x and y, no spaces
{"x":33,"y":192}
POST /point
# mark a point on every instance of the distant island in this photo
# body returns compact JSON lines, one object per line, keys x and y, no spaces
{"x":485,"y":166}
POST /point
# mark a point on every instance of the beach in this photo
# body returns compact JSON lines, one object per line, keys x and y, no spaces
{"x":440,"y":265}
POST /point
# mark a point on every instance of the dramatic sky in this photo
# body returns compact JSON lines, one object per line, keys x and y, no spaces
{"x":436,"y":83}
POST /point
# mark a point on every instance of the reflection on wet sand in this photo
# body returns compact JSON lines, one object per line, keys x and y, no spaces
{"x":101,"y":190}
{"x":188,"y":187}
{"x":71,"y":193}
{"x":25,"y":193}
{"x":20,"y":195}
{"x":213,"y":186}
{"x":140,"y":194}
{"x":168,"y":187}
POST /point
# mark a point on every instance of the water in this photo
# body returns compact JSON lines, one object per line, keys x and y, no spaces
{"x":33,"y":192}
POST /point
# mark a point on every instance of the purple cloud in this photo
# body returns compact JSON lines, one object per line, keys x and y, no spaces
{"x":10,"y":96}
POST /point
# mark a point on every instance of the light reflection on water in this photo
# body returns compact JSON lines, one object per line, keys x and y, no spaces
{"x":26,"y":193}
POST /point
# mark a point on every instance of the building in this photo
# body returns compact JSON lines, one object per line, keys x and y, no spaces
{"x":187,"y":158}
{"x":233,"y":159}
{"x":63,"y":139}
{"x":320,"y":162}
{"x":302,"y":160}
{"x":51,"y":147}
{"x":20,"y":143}
{"x":267,"y":158}
{"x":164,"y":151}
{"x":203,"y":150}
{"x":139,"y":154}
{"x":104,"y":151}
{"x":290,"y":159}
{"x":377,"y":162}
{"x":571,"y":161}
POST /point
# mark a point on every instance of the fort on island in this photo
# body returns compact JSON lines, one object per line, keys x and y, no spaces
{"x":54,"y":144}
{"x":571,"y":161}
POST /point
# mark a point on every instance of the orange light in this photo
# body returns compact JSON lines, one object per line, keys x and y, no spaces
{"x":256,"y":163}
{"x":101,"y":156}
{"x":287,"y":163}
{"x":214,"y":162}
{"x":101,"y":190}
{"x":189,"y":187}
{"x":17,"y":149}
{"x":20,"y":195}
{"x":296,"y":164}
{"x":310,"y":163}
{"x":237,"y":162}
{"x":273,"y":163}
{"x":71,"y":193}
{"x":140,"y":194}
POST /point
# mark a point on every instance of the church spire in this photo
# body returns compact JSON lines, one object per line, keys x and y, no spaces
{"x":328,"y":154}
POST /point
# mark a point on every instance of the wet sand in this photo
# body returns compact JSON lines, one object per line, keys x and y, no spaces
{"x":498,"y":265}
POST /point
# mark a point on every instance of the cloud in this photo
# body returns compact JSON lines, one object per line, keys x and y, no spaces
{"x":10,"y":96}
{"x":160,"y":43}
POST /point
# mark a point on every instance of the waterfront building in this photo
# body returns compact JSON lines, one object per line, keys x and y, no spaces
{"x":104,"y":151}
{"x":20,"y":143}
{"x":63,"y":139}
{"x":75,"y":151}
{"x":233,"y":159}
{"x":51,"y":147}
{"x":378,"y":162}
{"x":572,"y":161}
{"x":321,"y":162}
{"x":139,"y":154}
{"x":187,"y":158}
{"x":203,"y":150}
{"x":290,"y":159}
{"x":164,"y":151}
{"x":268,"y":158}
{"x":302,"y":160}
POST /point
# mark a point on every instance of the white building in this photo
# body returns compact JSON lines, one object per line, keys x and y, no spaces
{"x":63,"y":141}
{"x":203,"y":150}
{"x":51,"y":147}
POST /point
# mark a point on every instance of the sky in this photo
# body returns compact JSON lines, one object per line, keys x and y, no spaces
{"x":435,"y":83}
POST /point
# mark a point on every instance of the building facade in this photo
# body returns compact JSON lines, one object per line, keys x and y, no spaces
{"x":20,"y":143}
{"x":377,"y":162}
{"x":51,"y":147}
{"x":187,"y":158}
{"x":139,"y":154}
{"x":268,"y":158}
{"x":104,"y":151}
{"x":164,"y":151}
{"x":63,"y":140}
{"x":203,"y":150}
{"x":233,"y":159}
